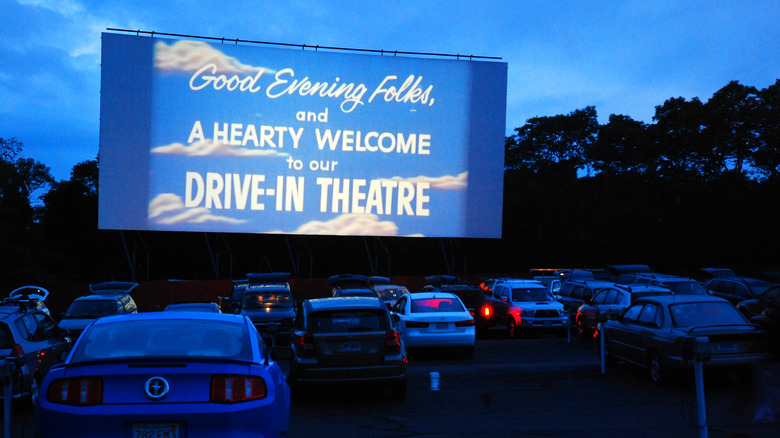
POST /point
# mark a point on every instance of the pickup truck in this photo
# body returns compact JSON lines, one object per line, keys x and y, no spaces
{"x":526,"y":305}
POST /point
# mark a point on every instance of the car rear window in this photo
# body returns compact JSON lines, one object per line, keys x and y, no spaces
{"x":705,"y":314}
{"x":426,"y":305}
{"x":164,"y":338}
{"x":353,"y":320}
{"x":265,"y":300}
{"x":91,"y":308}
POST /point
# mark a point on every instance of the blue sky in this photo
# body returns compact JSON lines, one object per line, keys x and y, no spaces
{"x":623,"y":57}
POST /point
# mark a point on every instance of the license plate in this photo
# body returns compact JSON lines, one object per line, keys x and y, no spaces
{"x":349,"y":347}
{"x":442,"y":325}
{"x":166,"y":430}
{"x":726,"y":347}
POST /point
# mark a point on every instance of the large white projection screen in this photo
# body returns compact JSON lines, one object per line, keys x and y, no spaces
{"x":211,"y":137}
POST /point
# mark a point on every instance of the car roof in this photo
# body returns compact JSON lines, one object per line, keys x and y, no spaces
{"x":632,"y":288}
{"x":428,"y":295}
{"x":521,"y":281}
{"x":317,"y":304}
{"x":681,"y":299}
{"x":591,"y":282}
{"x":159,"y":316}
{"x":99,"y":297}
{"x":112,"y":287}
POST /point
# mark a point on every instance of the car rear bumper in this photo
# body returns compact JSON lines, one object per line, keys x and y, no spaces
{"x":313,"y":373}
{"x":416,"y":340}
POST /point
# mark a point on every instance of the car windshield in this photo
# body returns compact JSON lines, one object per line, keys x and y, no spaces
{"x":687,"y":287}
{"x":91,"y":308}
{"x":687,"y":315}
{"x":265,"y":300}
{"x":427,"y":305}
{"x":531,"y":294}
{"x":349,"y":320}
{"x":164,"y":338}
{"x":390,"y":293}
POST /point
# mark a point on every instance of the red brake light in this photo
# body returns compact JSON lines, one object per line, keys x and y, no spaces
{"x":229,"y":388}
{"x":466,"y":323}
{"x":487,"y":311}
{"x":392,"y":342}
{"x":17,"y":350}
{"x":76,"y":391}
{"x":306,"y":345}
{"x":416,"y":324}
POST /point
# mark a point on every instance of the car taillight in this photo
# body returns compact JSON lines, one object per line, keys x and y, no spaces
{"x":76,"y":391}
{"x":306,"y":345}
{"x":466,"y":323}
{"x":487,"y":311}
{"x":416,"y":324}
{"x":17,"y":350}
{"x":392,"y":342}
{"x":228,"y":388}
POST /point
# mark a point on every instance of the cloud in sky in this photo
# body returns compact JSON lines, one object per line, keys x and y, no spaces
{"x":202,"y":148}
{"x":169,"y":209}
{"x":350,"y":225}
{"x":189,"y":56}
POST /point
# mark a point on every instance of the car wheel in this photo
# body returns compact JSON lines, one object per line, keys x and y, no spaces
{"x":583,"y":331}
{"x":511,"y":329}
{"x":656,"y":369}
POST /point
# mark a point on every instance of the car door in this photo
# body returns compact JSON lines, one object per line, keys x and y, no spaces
{"x":620,"y":332}
{"x":645,"y":335}
{"x":48,"y":341}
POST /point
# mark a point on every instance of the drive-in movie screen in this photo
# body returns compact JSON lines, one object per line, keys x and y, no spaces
{"x":215,"y":136}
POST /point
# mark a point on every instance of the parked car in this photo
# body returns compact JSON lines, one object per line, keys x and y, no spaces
{"x":678,"y":285}
{"x":656,"y":332}
{"x":434,"y":320}
{"x":388,"y":292}
{"x":574,"y":293}
{"x":351,"y":285}
{"x":233,"y":301}
{"x":528,"y":305}
{"x":36,"y":296}
{"x":736,"y":288}
{"x":107,"y":298}
{"x":347,"y":340}
{"x":480,"y":306}
{"x":193,"y":307}
{"x":610,"y":302}
{"x":770,"y":297}
{"x":168,"y":374}
{"x":33,"y":340}
{"x":268,"y":301}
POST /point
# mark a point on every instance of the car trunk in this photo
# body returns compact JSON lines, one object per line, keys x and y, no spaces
{"x":349,"y":337}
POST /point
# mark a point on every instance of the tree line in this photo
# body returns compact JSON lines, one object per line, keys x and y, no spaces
{"x":696,"y":187}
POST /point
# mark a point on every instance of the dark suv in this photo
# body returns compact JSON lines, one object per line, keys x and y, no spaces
{"x":268,"y":301}
{"x":33,"y":340}
{"x":107,"y":298}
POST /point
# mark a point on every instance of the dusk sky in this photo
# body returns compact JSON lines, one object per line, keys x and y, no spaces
{"x":623,"y":57}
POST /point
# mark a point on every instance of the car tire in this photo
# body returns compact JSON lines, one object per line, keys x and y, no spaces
{"x":582,"y":331}
{"x":656,"y":369}
{"x":511,"y":329}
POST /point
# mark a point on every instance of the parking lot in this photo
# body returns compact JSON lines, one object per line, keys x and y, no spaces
{"x":538,"y":386}
{"x":535,"y":386}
